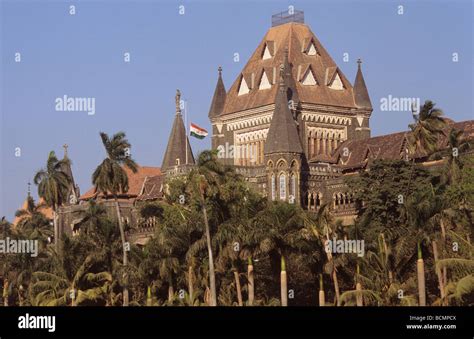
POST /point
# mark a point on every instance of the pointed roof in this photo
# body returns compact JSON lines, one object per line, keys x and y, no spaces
{"x":296,"y":37}
{"x":178,"y":142}
{"x":361,"y":95}
{"x":282,"y":135}
{"x":66,"y":169}
{"x":66,"y":165}
{"x":135,"y":183}
{"x":218,"y":101}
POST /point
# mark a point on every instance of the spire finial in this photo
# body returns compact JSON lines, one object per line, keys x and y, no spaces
{"x":29,"y":188}
{"x":359,"y":61}
{"x":282,"y":76}
{"x":178,"y":101}
{"x":220,"y":70}
{"x":65,"y":146}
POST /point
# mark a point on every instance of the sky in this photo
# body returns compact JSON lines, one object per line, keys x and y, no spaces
{"x":82,"y":55}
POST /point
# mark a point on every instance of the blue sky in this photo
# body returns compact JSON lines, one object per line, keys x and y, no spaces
{"x":407,"y":55}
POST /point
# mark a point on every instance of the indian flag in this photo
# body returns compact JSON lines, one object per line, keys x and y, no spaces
{"x":198,"y":132}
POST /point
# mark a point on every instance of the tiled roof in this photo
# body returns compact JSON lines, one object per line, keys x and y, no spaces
{"x":361,"y":95}
{"x":45,"y":210}
{"x":152,"y":188}
{"x":178,"y":142}
{"x":389,"y":146}
{"x":282,"y":135}
{"x":135,"y":182}
{"x":218,"y":101}
{"x":296,"y":37}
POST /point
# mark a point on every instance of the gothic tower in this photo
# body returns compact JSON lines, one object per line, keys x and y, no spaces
{"x":283,"y":151}
{"x":326,"y":110}
{"x":178,"y":158}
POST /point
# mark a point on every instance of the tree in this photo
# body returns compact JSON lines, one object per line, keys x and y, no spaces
{"x":53,"y":184}
{"x":32,"y":223}
{"x":323,"y":230}
{"x":426,"y":130}
{"x":111,"y":178}
{"x":285,"y":223}
{"x":203,"y":183}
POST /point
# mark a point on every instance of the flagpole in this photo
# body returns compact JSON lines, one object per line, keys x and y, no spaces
{"x":186,"y":128}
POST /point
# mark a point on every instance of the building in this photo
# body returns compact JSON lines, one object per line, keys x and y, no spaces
{"x":291,"y":124}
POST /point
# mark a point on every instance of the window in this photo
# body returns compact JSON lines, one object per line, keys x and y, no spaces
{"x":266,"y":53}
{"x":337,"y":83}
{"x":293,"y":186}
{"x":309,"y":79}
{"x":312,"y":50}
{"x":264,"y":82}
{"x":273,"y":186}
{"x":282,"y":187}
{"x":244,"y":88}
{"x":177,"y":162}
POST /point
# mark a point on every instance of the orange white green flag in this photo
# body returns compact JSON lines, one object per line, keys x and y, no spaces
{"x":197,"y":132}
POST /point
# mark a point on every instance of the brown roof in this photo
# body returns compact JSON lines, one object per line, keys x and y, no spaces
{"x":292,"y":36}
{"x":218,"y":101}
{"x":135,"y":182}
{"x":151,"y":188}
{"x":282,"y":135}
{"x":45,"y":210}
{"x":177,"y":144}
{"x":361,"y":95}
{"x":389,"y":146}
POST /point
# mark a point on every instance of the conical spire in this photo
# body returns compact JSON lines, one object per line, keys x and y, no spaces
{"x":361,"y":95}
{"x":218,"y":101}
{"x":282,"y":135}
{"x":66,"y":169}
{"x":178,"y":152}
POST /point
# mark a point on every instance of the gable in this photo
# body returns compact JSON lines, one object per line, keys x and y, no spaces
{"x":243,"y":88}
{"x":264,"y":82}
{"x":308,"y":78}
{"x":337,"y":83}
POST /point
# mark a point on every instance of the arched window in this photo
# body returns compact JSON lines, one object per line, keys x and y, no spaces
{"x":318,"y":200}
{"x":293,"y":186}
{"x":273,"y":186}
{"x":282,"y":186}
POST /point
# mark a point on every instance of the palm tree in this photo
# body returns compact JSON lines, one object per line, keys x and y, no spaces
{"x":53,"y":184}
{"x":83,"y":287}
{"x":32,"y":222}
{"x":456,"y":146}
{"x":322,"y":298}
{"x":323,"y":230}
{"x":111,"y":178}
{"x":428,"y":126}
{"x":204,"y":182}
{"x":285,"y":223}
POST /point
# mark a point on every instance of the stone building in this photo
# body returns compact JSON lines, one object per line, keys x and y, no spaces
{"x":296,"y":126}
{"x":291,"y":124}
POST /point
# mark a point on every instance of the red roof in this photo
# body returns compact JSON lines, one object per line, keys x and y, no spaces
{"x":135,"y":182}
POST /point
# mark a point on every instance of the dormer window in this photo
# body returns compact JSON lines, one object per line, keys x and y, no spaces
{"x":336,"y":83}
{"x":243,"y":88}
{"x":312,"y":50}
{"x":268,"y":50}
{"x":309,"y":79}
{"x":306,"y":75}
{"x":177,"y":162}
{"x":309,"y":47}
{"x":264,"y":82}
